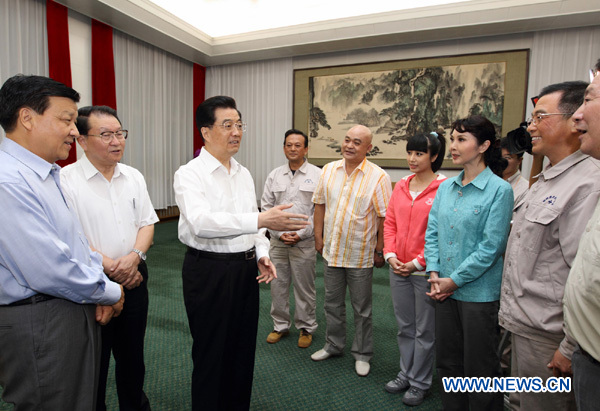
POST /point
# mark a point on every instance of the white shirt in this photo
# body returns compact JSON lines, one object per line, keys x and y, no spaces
{"x":111,"y":212}
{"x":218,"y":210}
{"x":284,"y":187}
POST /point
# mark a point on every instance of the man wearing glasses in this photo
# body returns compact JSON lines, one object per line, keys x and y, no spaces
{"x":113,"y":205}
{"x":542,"y":246}
{"x":227,"y":256}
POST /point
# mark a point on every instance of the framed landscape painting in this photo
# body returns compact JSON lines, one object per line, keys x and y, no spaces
{"x":400,"y":98}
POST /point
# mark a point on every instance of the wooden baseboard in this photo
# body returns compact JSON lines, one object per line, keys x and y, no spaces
{"x":168,"y":213}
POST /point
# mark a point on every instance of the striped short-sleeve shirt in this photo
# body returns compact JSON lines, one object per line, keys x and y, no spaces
{"x":353,"y":204}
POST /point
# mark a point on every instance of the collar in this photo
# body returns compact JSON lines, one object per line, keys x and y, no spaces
{"x":362,"y":166}
{"x":302,"y":168}
{"x":212,"y":164}
{"x":37,"y":164}
{"x":514,"y":177}
{"x":89,"y":170}
{"x":405,"y":182}
{"x":566,"y":163}
{"x":480,"y":181}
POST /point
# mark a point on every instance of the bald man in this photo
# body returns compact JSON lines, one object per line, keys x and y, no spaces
{"x":351,"y":199}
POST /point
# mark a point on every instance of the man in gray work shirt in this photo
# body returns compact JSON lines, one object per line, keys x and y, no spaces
{"x":293,"y":252}
{"x":542,"y":246}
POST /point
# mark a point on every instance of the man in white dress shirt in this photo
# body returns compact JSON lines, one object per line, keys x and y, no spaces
{"x":220,"y":223}
{"x":113,"y":205}
{"x":293,"y":253}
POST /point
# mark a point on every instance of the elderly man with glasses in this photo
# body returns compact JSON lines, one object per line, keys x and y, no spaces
{"x":542,"y":246}
{"x":227,"y":256}
{"x":113,"y":205}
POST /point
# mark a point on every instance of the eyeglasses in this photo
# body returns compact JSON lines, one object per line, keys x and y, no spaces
{"x":535,"y":120}
{"x":107,"y":136}
{"x":229,"y":125}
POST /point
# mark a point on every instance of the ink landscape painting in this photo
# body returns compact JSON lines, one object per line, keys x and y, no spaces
{"x":396,"y":104}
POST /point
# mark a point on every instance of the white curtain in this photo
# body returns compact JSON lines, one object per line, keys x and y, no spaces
{"x":23,"y":39}
{"x":264,"y":95}
{"x":154,"y":101}
{"x":557,"y":56}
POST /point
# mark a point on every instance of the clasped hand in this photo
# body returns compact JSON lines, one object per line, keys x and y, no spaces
{"x":104,"y":313}
{"x":290,"y":238}
{"x":124,"y":270}
{"x":400,"y":268}
{"x":441,"y":288}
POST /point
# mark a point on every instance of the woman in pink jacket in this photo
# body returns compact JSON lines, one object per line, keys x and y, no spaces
{"x":404,"y":240}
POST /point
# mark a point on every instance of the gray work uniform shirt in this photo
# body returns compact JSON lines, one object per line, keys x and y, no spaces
{"x":542,"y":246}
{"x":284,"y":187}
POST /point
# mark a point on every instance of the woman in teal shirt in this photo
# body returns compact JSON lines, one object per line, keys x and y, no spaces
{"x":465,"y":239}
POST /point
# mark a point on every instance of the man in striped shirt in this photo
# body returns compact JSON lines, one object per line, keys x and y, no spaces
{"x":351,"y":199}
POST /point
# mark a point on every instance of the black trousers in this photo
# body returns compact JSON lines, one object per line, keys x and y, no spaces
{"x":221,"y":300}
{"x":467,"y":336}
{"x":124,"y":337}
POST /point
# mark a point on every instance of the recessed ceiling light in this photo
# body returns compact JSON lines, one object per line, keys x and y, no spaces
{"x":219,"y":18}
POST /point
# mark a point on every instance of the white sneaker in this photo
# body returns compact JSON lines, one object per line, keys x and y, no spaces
{"x":320,"y":355}
{"x":362,"y":368}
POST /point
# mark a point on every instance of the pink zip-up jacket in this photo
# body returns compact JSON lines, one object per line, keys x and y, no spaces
{"x":406,"y":222}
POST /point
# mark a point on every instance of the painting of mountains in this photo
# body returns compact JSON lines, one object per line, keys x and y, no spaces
{"x":396,"y":104}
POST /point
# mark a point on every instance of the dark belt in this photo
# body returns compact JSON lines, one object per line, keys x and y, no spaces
{"x":244,"y":255}
{"x":588,"y":356}
{"x":37,"y":298}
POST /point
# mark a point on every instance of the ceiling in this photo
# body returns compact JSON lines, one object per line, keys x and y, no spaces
{"x":219,"y":18}
{"x":341,"y":32}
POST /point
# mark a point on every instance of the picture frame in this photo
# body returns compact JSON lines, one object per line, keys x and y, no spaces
{"x":396,"y":99}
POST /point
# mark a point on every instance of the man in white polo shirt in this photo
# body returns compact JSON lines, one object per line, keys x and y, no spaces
{"x":113,"y":205}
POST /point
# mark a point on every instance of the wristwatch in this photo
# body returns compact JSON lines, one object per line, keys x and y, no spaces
{"x":140,"y":253}
{"x":379,"y":253}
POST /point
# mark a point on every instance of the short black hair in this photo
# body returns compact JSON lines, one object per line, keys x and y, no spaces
{"x":29,"y":91}
{"x":572,"y":93}
{"x":295,"y":131}
{"x":431,"y":143}
{"x":205,"y":113}
{"x":505,"y":144}
{"x":84,"y":113}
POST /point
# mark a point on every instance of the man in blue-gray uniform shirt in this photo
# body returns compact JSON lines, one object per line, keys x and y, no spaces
{"x":53,"y":292}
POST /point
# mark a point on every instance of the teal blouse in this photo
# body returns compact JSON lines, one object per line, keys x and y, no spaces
{"x":467,"y":232}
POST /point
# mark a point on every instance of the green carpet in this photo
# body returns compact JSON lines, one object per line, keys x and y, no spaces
{"x":285,"y":378}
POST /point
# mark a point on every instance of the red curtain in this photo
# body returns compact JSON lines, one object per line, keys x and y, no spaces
{"x":103,"y":66}
{"x":199,"y":91}
{"x":59,"y":57}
